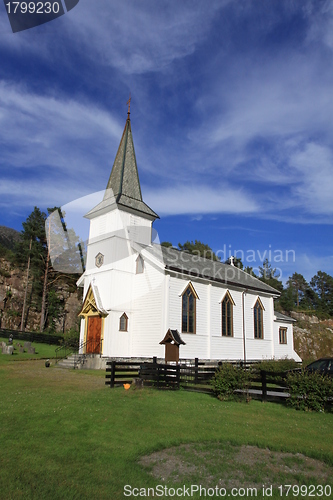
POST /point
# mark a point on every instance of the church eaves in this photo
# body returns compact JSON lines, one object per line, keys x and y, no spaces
{"x":123,"y":187}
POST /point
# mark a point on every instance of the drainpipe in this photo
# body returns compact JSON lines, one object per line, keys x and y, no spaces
{"x":244,"y":341}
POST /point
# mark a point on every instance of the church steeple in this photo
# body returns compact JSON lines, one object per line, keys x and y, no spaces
{"x":123,"y":187}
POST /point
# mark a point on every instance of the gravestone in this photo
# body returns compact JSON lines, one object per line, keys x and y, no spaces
{"x":31,"y":350}
{"x":3,"y":344}
{"x":8,"y":349}
{"x":21,"y":349}
{"x":27,"y":345}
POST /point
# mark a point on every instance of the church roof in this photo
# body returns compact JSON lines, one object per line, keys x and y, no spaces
{"x":283,"y":317}
{"x":123,"y":188}
{"x":172,"y":336}
{"x":192,"y":265}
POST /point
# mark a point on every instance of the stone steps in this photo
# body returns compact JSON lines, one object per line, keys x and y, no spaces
{"x":73,"y":361}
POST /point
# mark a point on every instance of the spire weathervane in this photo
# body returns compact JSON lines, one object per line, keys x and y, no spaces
{"x":129,"y":106}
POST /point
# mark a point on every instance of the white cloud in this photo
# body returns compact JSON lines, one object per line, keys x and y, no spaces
{"x":42,"y":193}
{"x":63,"y":136}
{"x":314,"y":165}
{"x":137,"y":37}
{"x":199,"y":200}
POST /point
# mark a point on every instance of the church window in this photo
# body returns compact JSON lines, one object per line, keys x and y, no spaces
{"x":258,"y":320}
{"x":227,"y":315}
{"x":140,"y":265}
{"x":123,"y":323}
{"x":283,"y":335}
{"x":189,"y":310}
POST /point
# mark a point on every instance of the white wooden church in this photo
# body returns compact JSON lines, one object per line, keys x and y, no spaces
{"x":143,"y":300}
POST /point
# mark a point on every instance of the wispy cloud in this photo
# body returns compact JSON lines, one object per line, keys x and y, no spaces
{"x":58,"y":143}
{"x":200,"y":200}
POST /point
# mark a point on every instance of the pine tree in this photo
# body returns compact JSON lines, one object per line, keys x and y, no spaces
{"x":31,"y":252}
{"x":322,"y":285}
{"x":299,"y":285}
{"x":268,"y":275}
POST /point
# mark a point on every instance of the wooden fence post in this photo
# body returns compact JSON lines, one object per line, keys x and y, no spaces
{"x":263,"y":386}
{"x":196,"y":368}
{"x":158,"y":376}
{"x":178,"y":376}
{"x":113,"y":370}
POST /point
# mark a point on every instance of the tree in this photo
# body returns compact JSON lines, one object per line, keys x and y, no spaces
{"x":299,"y":285}
{"x":198,"y":248}
{"x":322,"y":285}
{"x":268,"y":275}
{"x":31,"y":251}
{"x":166,"y":244}
{"x":287,"y":299}
{"x":55,"y":307}
{"x":249,"y":270}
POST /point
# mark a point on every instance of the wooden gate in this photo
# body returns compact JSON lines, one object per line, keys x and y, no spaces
{"x":94,"y":335}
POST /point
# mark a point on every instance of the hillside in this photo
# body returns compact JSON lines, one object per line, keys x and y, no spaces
{"x":8,"y":237}
{"x":313,"y":338}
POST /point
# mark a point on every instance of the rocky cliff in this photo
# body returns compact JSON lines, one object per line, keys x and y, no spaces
{"x":12,"y":289}
{"x":313,"y":338}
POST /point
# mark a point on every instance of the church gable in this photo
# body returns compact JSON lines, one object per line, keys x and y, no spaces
{"x":91,"y":306}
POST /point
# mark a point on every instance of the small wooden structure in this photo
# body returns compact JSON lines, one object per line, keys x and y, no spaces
{"x":172,"y":341}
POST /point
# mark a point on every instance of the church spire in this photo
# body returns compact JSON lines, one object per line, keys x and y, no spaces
{"x":124,"y":177}
{"x":123,"y":186}
{"x":129,"y":107}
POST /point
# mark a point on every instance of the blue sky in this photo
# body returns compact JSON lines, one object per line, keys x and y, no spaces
{"x":232,"y":106}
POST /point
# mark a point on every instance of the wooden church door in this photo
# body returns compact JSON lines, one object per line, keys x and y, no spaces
{"x":94,"y":335}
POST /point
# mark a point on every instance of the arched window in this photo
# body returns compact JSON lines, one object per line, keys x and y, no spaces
{"x":227,"y":315}
{"x":140,"y":265}
{"x":258,"y":320}
{"x":189,"y":297}
{"x":123,"y":323}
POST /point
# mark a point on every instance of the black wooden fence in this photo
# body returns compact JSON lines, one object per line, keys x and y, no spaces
{"x":43,"y":338}
{"x":270,"y":386}
{"x":267,"y":386}
{"x":160,"y":375}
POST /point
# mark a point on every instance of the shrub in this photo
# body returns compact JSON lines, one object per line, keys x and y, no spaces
{"x":275,"y":365}
{"x":309,"y":391}
{"x":227,"y":379}
{"x":72,"y":337}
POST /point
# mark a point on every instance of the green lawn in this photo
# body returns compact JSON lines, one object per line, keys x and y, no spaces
{"x":65,"y":435}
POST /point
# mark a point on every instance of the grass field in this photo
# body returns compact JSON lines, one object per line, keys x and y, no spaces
{"x":65,"y":435}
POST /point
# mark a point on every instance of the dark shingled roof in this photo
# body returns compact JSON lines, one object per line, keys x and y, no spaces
{"x":283,"y":317}
{"x":172,"y":335}
{"x":123,"y":188}
{"x":192,"y":265}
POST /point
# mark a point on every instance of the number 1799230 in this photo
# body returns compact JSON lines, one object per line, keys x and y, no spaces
{"x":33,"y":8}
{"x":305,"y":490}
